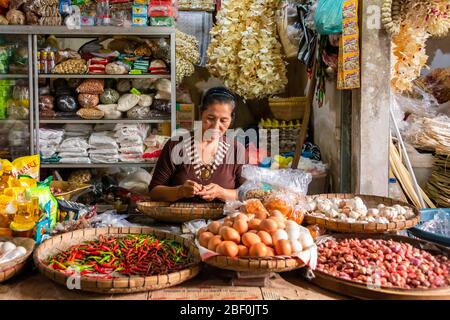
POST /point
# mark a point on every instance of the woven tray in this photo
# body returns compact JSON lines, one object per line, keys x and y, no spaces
{"x":121,"y":284}
{"x":363,"y":291}
{"x":181,"y":212}
{"x":370,"y":201}
{"x":262,"y":265}
{"x":10,"y":269}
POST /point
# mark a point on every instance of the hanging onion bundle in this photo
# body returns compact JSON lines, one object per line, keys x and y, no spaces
{"x":244,"y":51}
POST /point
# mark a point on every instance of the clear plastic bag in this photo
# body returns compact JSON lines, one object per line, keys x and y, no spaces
{"x":109,"y":96}
{"x":145,"y":100}
{"x":46,"y":102}
{"x":288,"y":29}
{"x":87,"y":100}
{"x":127,"y":101}
{"x":92,"y":86}
{"x":328,"y":17}
{"x":139,"y":113}
{"x":269,"y":183}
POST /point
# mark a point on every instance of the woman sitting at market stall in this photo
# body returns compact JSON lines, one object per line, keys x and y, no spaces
{"x":205,"y":175}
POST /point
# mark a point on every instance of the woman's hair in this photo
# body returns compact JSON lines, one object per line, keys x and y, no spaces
{"x":218,"y":95}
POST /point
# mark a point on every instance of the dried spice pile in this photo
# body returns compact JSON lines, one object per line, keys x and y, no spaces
{"x":142,"y":255}
{"x":244,"y":51}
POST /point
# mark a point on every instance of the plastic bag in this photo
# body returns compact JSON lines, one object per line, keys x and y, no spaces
{"x":110,"y":111}
{"x":109,"y":96}
{"x":91,"y":86}
{"x":66,"y":104}
{"x":123,"y":85}
{"x":161,"y":105}
{"x":15,"y":17}
{"x":46,"y":102}
{"x":271,"y":182}
{"x":137,"y":181}
{"x":143,"y":84}
{"x":87,"y":100}
{"x":16,"y":112}
{"x":127,"y":101}
{"x":328,"y":17}
{"x":145,"y":100}
{"x":115,"y":68}
{"x":110,"y":218}
{"x":288,"y":29}
{"x":90,"y":113}
{"x":139,"y":113}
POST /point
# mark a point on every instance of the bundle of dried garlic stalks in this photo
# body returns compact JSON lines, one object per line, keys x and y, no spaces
{"x":244,"y":51}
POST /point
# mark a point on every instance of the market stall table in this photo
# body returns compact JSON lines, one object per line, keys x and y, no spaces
{"x":31,"y":285}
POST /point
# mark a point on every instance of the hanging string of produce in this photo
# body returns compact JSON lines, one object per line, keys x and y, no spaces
{"x":187,"y":55}
{"x":411,"y":23}
{"x":244,"y":51}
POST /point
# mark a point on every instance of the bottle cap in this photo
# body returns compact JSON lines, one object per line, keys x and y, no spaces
{"x":392,"y":180}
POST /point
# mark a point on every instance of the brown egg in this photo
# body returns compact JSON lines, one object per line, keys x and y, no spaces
{"x":241,"y":226}
{"x":243,"y":251}
{"x":268,"y":225}
{"x":283,"y":248}
{"x":201,"y":230}
{"x":254,"y":224}
{"x":228,"y":223}
{"x":214,"y":227}
{"x":270,"y":252}
{"x":258,"y":250}
{"x":261,"y":215}
{"x":228,"y":248}
{"x":230,"y":234}
{"x":280,"y":222}
{"x":253,"y":231}
{"x":204,"y":238}
{"x":249,"y":239}
{"x":242,"y":216}
{"x":214,"y":242}
{"x":276,"y":213}
{"x":266,"y":238}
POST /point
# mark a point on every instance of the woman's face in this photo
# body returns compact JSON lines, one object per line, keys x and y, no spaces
{"x":216,"y":120}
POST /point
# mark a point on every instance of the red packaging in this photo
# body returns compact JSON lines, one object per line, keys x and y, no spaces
{"x":96,"y":61}
{"x":161,"y":8}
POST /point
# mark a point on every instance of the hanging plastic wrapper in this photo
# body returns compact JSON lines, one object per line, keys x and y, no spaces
{"x":289,"y":29}
{"x":308,"y":37}
{"x":328,"y":17}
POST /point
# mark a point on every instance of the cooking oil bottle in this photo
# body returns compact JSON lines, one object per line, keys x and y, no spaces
{"x":24,"y":221}
{"x":6,"y":176}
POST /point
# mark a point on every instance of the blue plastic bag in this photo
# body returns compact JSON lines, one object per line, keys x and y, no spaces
{"x":328,"y":16}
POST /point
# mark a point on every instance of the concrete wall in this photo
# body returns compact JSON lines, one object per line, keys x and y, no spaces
{"x":327,"y":132}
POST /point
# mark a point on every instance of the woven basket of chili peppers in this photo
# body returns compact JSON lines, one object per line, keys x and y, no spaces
{"x":118,"y":260}
{"x":180,"y":212}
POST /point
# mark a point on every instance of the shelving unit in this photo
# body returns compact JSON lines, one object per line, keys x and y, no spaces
{"x":32,"y":32}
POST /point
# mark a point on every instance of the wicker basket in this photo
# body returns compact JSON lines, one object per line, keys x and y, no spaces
{"x":10,"y":269}
{"x":256,"y":264}
{"x":181,"y":212}
{"x":288,"y":108}
{"x":370,"y":201}
{"x":70,"y":190}
{"x":364,"y":291}
{"x":122,"y":284}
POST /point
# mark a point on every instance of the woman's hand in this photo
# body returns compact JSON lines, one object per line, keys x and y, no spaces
{"x":189,"y":189}
{"x":212,"y":191}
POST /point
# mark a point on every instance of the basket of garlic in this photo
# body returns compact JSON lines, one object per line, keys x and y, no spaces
{"x":359,"y":213}
{"x":14,"y":253}
{"x":259,"y":242}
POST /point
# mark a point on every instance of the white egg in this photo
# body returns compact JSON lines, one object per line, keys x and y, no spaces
{"x":292,"y":224}
{"x":306,"y":240}
{"x":279,"y":235}
{"x":296,"y":246}
{"x":293,"y":233}
{"x":7,"y":247}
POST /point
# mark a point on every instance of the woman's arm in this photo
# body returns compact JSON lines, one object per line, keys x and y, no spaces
{"x":214,"y":191}
{"x":164,"y":193}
